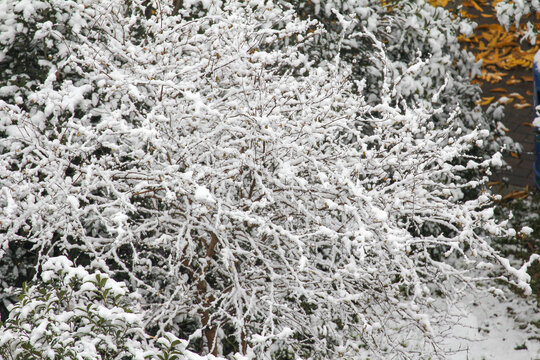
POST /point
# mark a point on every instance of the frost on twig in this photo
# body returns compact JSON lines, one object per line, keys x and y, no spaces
{"x":258,"y":201}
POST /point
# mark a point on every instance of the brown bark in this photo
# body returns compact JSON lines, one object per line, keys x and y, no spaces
{"x":209,"y":333}
{"x":177,"y":5}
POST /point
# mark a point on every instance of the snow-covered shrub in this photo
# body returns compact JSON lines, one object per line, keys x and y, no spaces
{"x":259,"y":201}
{"x":73,"y":314}
{"x":412,"y":31}
{"x":512,"y":12}
{"x":523,"y":214}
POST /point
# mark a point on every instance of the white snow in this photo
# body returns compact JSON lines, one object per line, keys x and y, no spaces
{"x":379,"y":214}
{"x":203,"y":195}
{"x":316,"y":184}
{"x":526,"y":230}
{"x":495,"y":329}
{"x":497,"y":160}
{"x":73,"y":201}
{"x":10,"y":206}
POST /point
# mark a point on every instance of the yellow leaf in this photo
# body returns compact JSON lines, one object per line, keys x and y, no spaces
{"x":522,"y":194}
{"x":469,"y":39}
{"x":485,"y":101}
{"x":505,"y":100}
{"x":492,"y":27}
{"x":492,"y":77}
{"x":517,"y":96}
{"x":513,"y":81}
{"x":501,"y":90}
{"x":522,"y":105}
{"x":465,"y":14}
{"x":442,"y":3}
{"x":473,"y":4}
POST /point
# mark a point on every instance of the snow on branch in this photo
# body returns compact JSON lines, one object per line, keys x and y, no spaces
{"x":258,"y":202}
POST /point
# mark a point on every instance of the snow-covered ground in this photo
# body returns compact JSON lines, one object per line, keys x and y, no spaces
{"x":497,"y":329}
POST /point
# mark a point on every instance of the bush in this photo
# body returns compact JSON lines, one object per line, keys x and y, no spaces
{"x":512,"y":12}
{"x":73,"y":314}
{"x":260,"y":201}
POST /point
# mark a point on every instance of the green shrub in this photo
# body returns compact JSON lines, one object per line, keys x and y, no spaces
{"x":73,"y":314}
